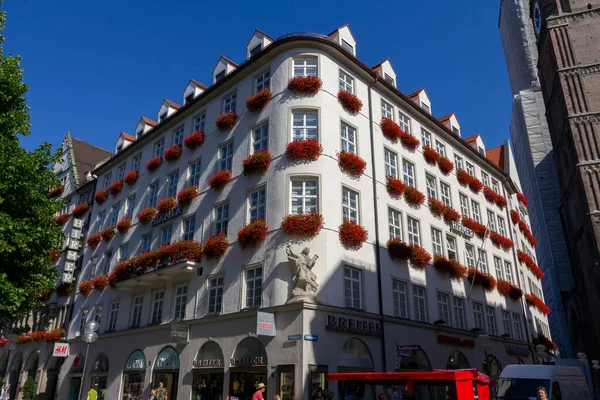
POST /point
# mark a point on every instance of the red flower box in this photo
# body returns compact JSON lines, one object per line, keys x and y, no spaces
{"x":131,"y":177}
{"x":476,"y":227}
{"x":515,"y":217}
{"x":398,"y":249}
{"x":453,"y":268}
{"x":153,"y":164}
{"x":351,"y":163}
{"x":303,"y":150}
{"x":259,"y":100}
{"x":54,"y":335}
{"x":62,"y":219}
{"x":395,"y":187}
{"x":257,"y":163}
{"x":194,"y":140}
{"x":463,"y":177}
{"x":94,"y":240}
{"x":522,"y":199}
{"x":352,"y":235}
{"x":124,"y":225}
{"x":527,"y":233}
{"x":253,"y":234}
{"x":413,"y":197}
{"x":431,"y":156}
{"x":220,"y":179}
{"x":100,"y":282}
{"x":390,"y":130}
{"x":451,"y":215}
{"x":108,"y":233}
{"x":101,"y":196}
{"x":524,"y":258}
{"x":216,"y":246}
{"x":173,"y":152}
{"x":419,"y":257}
{"x":508,"y":289}
{"x":146,"y":215}
{"x":436,"y":207}
{"x":305,"y":85}
{"x":304,"y":225}
{"x":489,"y":194}
{"x":64,"y":289}
{"x":445,"y":165}
{"x":501,"y":202}
{"x":115,"y":188}
{"x":543,"y":340}
{"x":350,"y":102}
{"x":409,"y":141}
{"x":80,"y":210}
{"x":475,"y":185}
{"x":226,"y":120}
{"x":486,"y":281}
{"x":500,"y":241}
{"x":533,"y":301}
{"x":166,"y":205}
{"x":86,"y":287}
{"x":188,"y":194}
{"x":56,"y":192}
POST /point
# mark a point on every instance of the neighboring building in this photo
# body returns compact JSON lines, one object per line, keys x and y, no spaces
{"x":536,"y":167}
{"x":187,"y":323}
{"x":34,"y":358}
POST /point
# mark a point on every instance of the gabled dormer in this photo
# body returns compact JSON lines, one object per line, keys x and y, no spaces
{"x":343,"y":36}
{"x":223,"y":68}
{"x":451,"y":122}
{"x":166,"y":109}
{"x":192,"y":90}
{"x":385,"y":70}
{"x":476,"y":142}
{"x":421,"y":99}
{"x":258,"y":41}
{"x":124,"y":140}
{"x":145,"y":125}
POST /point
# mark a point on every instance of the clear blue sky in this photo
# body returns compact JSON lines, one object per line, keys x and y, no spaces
{"x":95,"y":67}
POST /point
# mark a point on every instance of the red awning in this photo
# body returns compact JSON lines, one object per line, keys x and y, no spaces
{"x":435,"y":375}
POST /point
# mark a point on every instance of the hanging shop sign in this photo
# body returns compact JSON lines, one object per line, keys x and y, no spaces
{"x":353,"y":325}
{"x":456,"y":341}
{"x":265,"y":324}
{"x":461,"y":230}
{"x":162,"y":217}
{"x":179,"y":333}
{"x":516,"y":350}
{"x":61,"y":350}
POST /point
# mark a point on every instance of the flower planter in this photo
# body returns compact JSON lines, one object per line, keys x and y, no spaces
{"x":475,"y":185}
{"x":352,"y":235}
{"x":226,"y":121}
{"x":108,"y":233}
{"x":463,"y":177}
{"x":303,"y":225}
{"x":508,"y":289}
{"x":522,"y":199}
{"x":185,"y":196}
{"x":486,"y":281}
{"x":216,"y":246}
{"x":451,"y":215}
{"x":259,"y":100}
{"x":515,"y":217}
{"x":398,"y":249}
{"x":533,"y":301}
{"x":62,"y":219}
{"x":220,"y":179}
{"x":350,"y":102}
{"x":131,"y":177}
{"x":409,"y":141}
{"x":173,"y":153}
{"x":476,"y":227}
{"x":524,"y":258}
{"x":413,"y":197}
{"x":395,"y":187}
{"x":303,"y":150}
{"x":154,"y":163}
{"x":445,"y":165}
{"x":436,"y":207}
{"x":100,"y":282}
{"x":86,"y":287}
{"x":253,"y":234}
{"x":527,"y":233}
{"x":54,"y":335}
{"x":501,"y":202}
{"x":430,"y":155}
{"x":543,"y":340}
{"x":56,"y":192}
{"x":124,"y":225}
{"x":419,"y":257}
{"x":80,"y":210}
{"x":305,"y":85}
{"x":115,"y":188}
{"x":489,"y":194}
{"x":351,"y":163}
{"x":64,"y":289}
{"x":390,"y":130}
{"x":146,"y":215}
{"x":94,"y":240}
{"x":101,"y":196}
{"x":257,"y":163}
{"x":194,"y":140}
{"x":453,"y":268}
{"x":500,"y":241}
{"x":166,"y":205}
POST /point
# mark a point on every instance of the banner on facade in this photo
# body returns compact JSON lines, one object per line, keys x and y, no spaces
{"x":61,"y":350}
{"x":179,"y":333}
{"x":265,"y":324}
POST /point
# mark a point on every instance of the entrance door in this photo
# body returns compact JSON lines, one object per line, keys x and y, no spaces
{"x":169,"y":380}
{"x":207,"y":385}
{"x":74,"y":388}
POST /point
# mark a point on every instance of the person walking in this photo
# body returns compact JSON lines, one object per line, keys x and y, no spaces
{"x":260,"y":389}
{"x":161,"y":392}
{"x":93,"y":393}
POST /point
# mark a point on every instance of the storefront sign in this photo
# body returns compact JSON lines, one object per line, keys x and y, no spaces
{"x":71,"y":255}
{"x":352,"y":325}
{"x":69,"y":266}
{"x":311,"y":338}
{"x":265,"y":324}
{"x":248,"y":361}
{"x":294,"y":337}
{"x":61,"y":350}
{"x":456,"y":341}
{"x":74,"y":244}
{"x":77,"y":223}
{"x":461,"y":230}
{"x":167,"y":363}
{"x":406,"y":351}
{"x":76,"y":234}
{"x":67,"y":277}
{"x":136,"y":362}
{"x":516,"y":350}
{"x":214,"y":363}
{"x":179,"y":333}
{"x":160,"y":218}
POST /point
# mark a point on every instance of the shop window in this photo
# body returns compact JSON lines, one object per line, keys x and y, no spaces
{"x":286,"y":387}
{"x":134,"y":375}
{"x":317,"y":380}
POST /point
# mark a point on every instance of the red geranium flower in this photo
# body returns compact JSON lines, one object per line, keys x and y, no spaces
{"x":350,"y":102}
{"x":522,"y":199}
{"x":253,"y":234}
{"x":431,"y":156}
{"x":55,"y":255}
{"x":173,"y":152}
{"x":101,"y":196}
{"x":501,"y":202}
{"x":153,"y":164}
{"x":453,"y":268}
{"x":475,"y":185}
{"x":303,"y":150}
{"x":115,"y":188}
{"x":477,"y":228}
{"x":259,"y":100}
{"x":100,"y":282}
{"x":436,"y":207}
{"x":216,"y":246}
{"x":409,"y":141}
{"x":94,"y":240}
{"x":451,"y":215}
{"x":305,"y":225}
{"x":108,"y":233}
{"x":352,"y":235}
{"x":490,"y":194}
{"x":390,"y":130}
{"x":62,"y":219}
{"x":194,"y":140}
{"x":527,"y":233}
{"x":80,"y":210}
{"x":486,"y":281}
{"x":220,"y":179}
{"x":413,"y":197}
{"x":166,"y":205}
{"x":500,"y":241}
{"x":351,"y":163}
{"x":64,"y":289}
{"x":508,"y":289}
{"x":56,"y":192}
{"x":305,"y":85}
{"x":398,"y":248}
{"x":541,"y":339}
{"x":86,"y":287}
{"x":124,"y":225}
{"x":54,"y":335}
{"x":257,"y":163}
{"x":463,"y":177}
{"x":524,"y":258}
{"x":187,"y":195}
{"x":131,"y":177}
{"x":395,"y":187}
{"x":514,"y":215}
{"x":146,"y":215}
{"x":226,"y":120}
{"x":419,"y":257}
{"x":532,"y":300}
{"x":445,"y":165}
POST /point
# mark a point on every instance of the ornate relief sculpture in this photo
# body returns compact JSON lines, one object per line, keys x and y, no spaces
{"x":305,"y":280}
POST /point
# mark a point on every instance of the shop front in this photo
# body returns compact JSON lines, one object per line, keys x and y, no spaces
{"x":99,"y":375}
{"x":75,"y":375}
{"x":354,"y":356}
{"x":457,"y":360}
{"x":166,"y":371}
{"x":248,"y":368}
{"x":134,"y":375}
{"x":208,"y":373}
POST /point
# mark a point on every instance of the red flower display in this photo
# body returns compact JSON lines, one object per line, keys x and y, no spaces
{"x":533,"y":301}
{"x":419,"y":257}
{"x":216,"y":246}
{"x":431,"y":156}
{"x":304,"y":225}
{"x":352,"y":235}
{"x":305,"y":85}
{"x":477,"y":228}
{"x":80,"y":210}
{"x":436,"y":207}
{"x":303,"y":150}
{"x":409,"y":141}
{"x":108,"y":233}
{"x":64,"y":289}
{"x":54,"y":335}
{"x":453,"y":268}
{"x":391,"y":130}
{"x":100,"y":282}
{"x":463,"y":177}
{"x":500,"y":241}
{"x":146,"y":215}
{"x":489,"y":194}
{"x":62,"y":219}
{"x":220,"y":179}
{"x":351,"y":163}
{"x":413,"y":197}
{"x":94,"y":240}
{"x":257,"y":163}
{"x":398,"y":249}
{"x":350,"y":102}
{"x":49,"y":336}
{"x":194,"y":140}
{"x":541,"y":339}
{"x":115,"y":188}
{"x":226,"y":121}
{"x":188,"y":194}
{"x":475,"y":185}
{"x":395,"y":187}
{"x":124,"y":225}
{"x":173,"y":152}
{"x":522,"y":199}
{"x":101,"y":196}
{"x":153,"y":164}
{"x":166,"y":205}
{"x":253,"y":234}
{"x":508,"y":289}
{"x":515,"y":217}
{"x":486,"y":281}
{"x":445,"y":165}
{"x":259,"y":100}
{"x":86,"y":287}
{"x":501,"y":202}
{"x":451,"y":215}
{"x":131,"y":177}
{"x":56,"y":192}
{"x":524,"y":258}
{"x":527,"y":233}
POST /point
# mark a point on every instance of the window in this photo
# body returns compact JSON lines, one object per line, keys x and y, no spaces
{"x":445,"y":189}
{"x":481,"y":150}
{"x":123,"y":253}
{"x":305,"y":125}
{"x":517,"y":326}
{"x":98,"y":314}
{"x":172,"y":181}
{"x":458,"y":162}
{"x":254,"y":287}
{"x":414,"y":236}
{"x":451,"y":247}
{"x":263,"y":81}
{"x":459,"y":313}
{"x":305,"y":66}
{"x":498,"y":266}
{"x":199,"y":122}
{"x":346,"y":82}
{"x":256,"y":204}
{"x":425,"y":138}
{"x":189,"y":98}
{"x":260,"y":137}
{"x":137,"y":160}
{"x":485,"y":178}
{"x":470,"y":168}
{"x":304,"y":196}
{"x":107,"y":180}
{"x":506,"y":323}
{"x":146,"y":243}
{"x":136,"y":314}
{"x":478,"y":315}
{"x":226,"y":156}
{"x":431,"y":186}
{"x":440,"y":148}
{"x":353,"y":287}
{"x":464,"y":204}
{"x":220,"y":76}
{"x":157,"y":307}
{"x":229,"y":103}
{"x":426,"y":108}
{"x":404,"y":122}
{"x":348,"y":135}
{"x":347,"y":46}
{"x":121,"y":172}
{"x":483,"y":267}
{"x":490,"y":315}
{"x":395,"y":223}
{"x":491,"y":217}
{"x":409,"y":173}
{"x":83,"y":319}
{"x":495,"y":186}
{"x":436,"y":241}
{"x":222,"y":218}
{"x":165,"y":235}
{"x":114,"y":214}
{"x":387,"y":110}
{"x":455,"y":131}
{"x":106,"y":262}
{"x":476,"y":211}
{"x":400,"y":299}
{"x":153,"y":194}
{"x":420,"y":303}
{"x":195,"y":172}
{"x":178,"y":136}
{"x":501,"y":226}
{"x":470,"y":254}
{"x":189,"y":226}
{"x":391,"y":163}
{"x":215,"y":295}
{"x":255,"y":50}
{"x":112,"y":316}
{"x":159,"y":148}
{"x":444,"y":308}
{"x":350,"y":205}
{"x":130,"y":205}
{"x":180,"y":302}
{"x":508,"y":270}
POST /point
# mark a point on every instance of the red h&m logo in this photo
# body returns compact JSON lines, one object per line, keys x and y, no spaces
{"x":61,"y":350}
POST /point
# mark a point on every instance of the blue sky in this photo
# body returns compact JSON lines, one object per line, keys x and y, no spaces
{"x":95,"y":67}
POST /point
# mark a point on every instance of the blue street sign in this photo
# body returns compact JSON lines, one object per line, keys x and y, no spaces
{"x":294,"y":337}
{"x":311,"y":338}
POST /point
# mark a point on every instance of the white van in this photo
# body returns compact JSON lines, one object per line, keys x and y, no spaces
{"x":520,"y":382}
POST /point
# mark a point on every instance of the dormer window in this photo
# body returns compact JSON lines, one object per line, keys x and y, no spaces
{"x":162,"y":117}
{"x":189,"y":98}
{"x":220,"y":76}
{"x":119,"y":147}
{"x":481,"y":151}
{"x":388,"y":79}
{"x":255,"y":50}
{"x":426,"y":108}
{"x":347,"y":46}
{"x":455,"y":131}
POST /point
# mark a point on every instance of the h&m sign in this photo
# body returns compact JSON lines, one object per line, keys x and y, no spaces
{"x":61,"y":350}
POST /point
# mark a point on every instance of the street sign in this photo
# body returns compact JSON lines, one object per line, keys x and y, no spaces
{"x":61,"y":350}
{"x":311,"y":338}
{"x":294,"y":337}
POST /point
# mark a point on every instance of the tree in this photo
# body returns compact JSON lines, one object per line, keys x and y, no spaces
{"x":29,"y":389}
{"x":27,"y":229}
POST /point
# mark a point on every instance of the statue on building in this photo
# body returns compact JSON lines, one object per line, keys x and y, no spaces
{"x":305,"y":280}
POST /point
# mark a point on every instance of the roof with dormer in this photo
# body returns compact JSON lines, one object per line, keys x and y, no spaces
{"x":127,"y":136}
{"x":496,"y":155}
{"x":172,"y":104}
{"x":85,"y":156}
{"x":344,"y":26}
{"x":200,"y":85}
{"x":259,"y":31}
{"x":148,"y":121}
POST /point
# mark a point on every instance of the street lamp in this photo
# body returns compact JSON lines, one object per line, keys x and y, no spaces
{"x":89,"y":336}
{"x":485,"y":345}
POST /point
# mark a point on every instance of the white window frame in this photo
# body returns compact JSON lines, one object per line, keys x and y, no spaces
{"x":306,"y":199}
{"x":470,"y":255}
{"x":215,"y":294}
{"x":136,"y":311}
{"x":478,"y":317}
{"x":395,"y":223}
{"x":195,"y":172}
{"x":152,"y":194}
{"x":226,"y":156}
{"x":200,"y":122}
{"x":188,"y":228}
{"x":443,"y":302}
{"x":408,"y":173}
{"x":263,"y":81}
{"x":491,"y":218}
{"x":305,"y":130}
{"x":476,"y":211}
{"x":437,"y":244}
{"x":221,"y":218}
{"x":166,"y":235}
{"x":346,"y":81}
{"x":257,"y":204}
{"x":159,"y":148}
{"x":391,"y":162}
{"x":252,"y":302}
{"x":229,"y":102}
{"x":179,"y":309}
{"x":400,"y":295}
{"x":483,"y":265}
{"x":440,"y":148}
{"x":172,"y":183}
{"x":460,"y":321}
{"x":113,"y":316}
{"x":463,"y":199}
{"x":507,"y":323}
{"x":350,"y":205}
{"x":404,"y":122}
{"x":353,"y":285}
{"x":158,"y":303}
{"x":445,"y":194}
{"x":178,"y":136}
{"x":420,"y":303}
{"x":425,"y":138}
{"x":260,"y":137}
{"x":431,"y":186}
{"x":414,"y":231}
{"x":470,"y":168}
{"x":458,"y":161}
{"x":348,"y":138}
{"x":490,"y":316}
{"x":387,"y":110}
{"x":452,"y":247}
{"x":303,"y":66}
